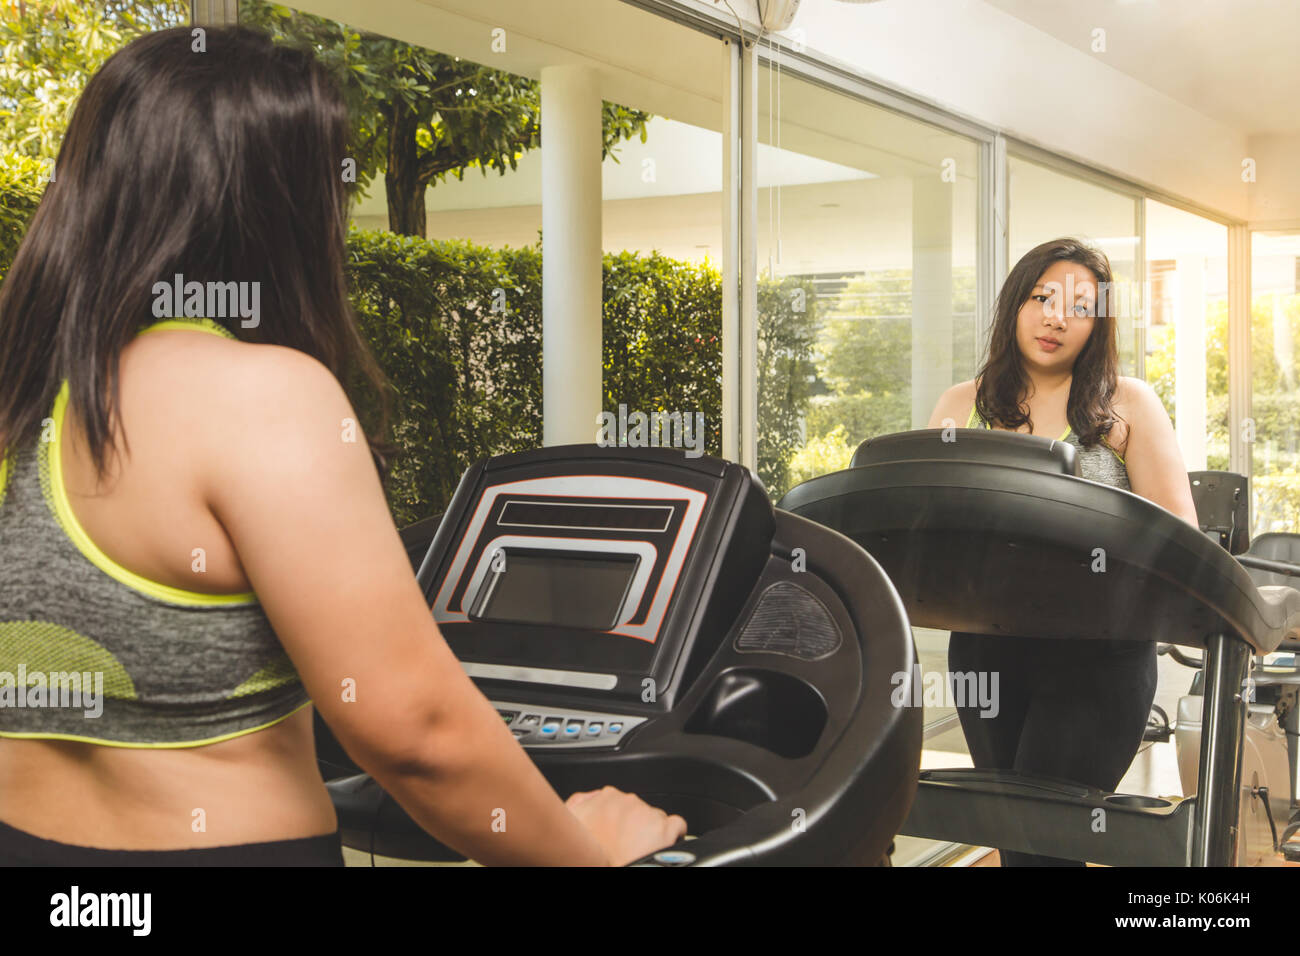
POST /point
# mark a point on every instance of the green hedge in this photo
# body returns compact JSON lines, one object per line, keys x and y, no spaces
{"x":457,"y":328}
{"x":21,"y":184}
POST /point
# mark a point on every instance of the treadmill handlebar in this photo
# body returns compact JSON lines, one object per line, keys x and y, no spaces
{"x":1266,"y":564}
{"x":986,"y":532}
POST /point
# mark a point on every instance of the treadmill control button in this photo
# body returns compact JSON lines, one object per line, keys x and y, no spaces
{"x":520,"y":733}
{"x":551,"y":726}
{"x":508,"y":715}
{"x":573,"y":728}
{"x":674,"y":857}
{"x":615,"y":727}
{"x":594,"y":728}
{"x":529,"y":721}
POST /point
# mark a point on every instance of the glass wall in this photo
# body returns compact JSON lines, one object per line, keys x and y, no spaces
{"x":1187,"y":331}
{"x":1275,"y":396}
{"x":866,"y":298}
{"x":661,"y":228}
{"x":1047,"y":204}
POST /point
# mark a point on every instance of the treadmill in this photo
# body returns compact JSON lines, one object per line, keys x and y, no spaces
{"x":996,"y":532}
{"x":646,"y":620}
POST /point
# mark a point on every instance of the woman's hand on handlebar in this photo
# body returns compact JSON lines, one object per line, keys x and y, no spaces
{"x":625,"y":825}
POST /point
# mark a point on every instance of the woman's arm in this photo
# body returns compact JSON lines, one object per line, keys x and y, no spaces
{"x":292,"y":482}
{"x":1156,"y":470}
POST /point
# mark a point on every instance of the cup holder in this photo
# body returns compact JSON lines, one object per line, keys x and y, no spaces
{"x":768,"y":709}
{"x":1135,"y":800}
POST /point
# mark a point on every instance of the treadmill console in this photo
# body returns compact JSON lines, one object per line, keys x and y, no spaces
{"x":593,"y":590}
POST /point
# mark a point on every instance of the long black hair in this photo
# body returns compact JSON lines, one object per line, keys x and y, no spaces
{"x":217,"y":157}
{"x":1003,"y":381}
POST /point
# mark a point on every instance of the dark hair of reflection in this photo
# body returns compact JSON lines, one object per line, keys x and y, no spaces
{"x":1003,"y":381}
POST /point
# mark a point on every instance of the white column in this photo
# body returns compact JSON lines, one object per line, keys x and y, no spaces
{"x":749,"y":410}
{"x":734,"y":376}
{"x":571,"y":255}
{"x":931,"y":294}
{"x":1189,"y":361}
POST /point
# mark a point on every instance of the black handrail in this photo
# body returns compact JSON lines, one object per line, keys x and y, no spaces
{"x":1265,"y":564}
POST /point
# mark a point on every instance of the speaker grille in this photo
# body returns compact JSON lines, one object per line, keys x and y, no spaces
{"x":789,"y":620}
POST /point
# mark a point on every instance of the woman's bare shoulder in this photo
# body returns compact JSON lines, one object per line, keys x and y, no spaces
{"x":213,"y":373}
{"x":1133,"y":396}
{"x":963,"y":394}
{"x":1136,"y":404}
{"x":955,"y":404}
{"x":230,"y":400}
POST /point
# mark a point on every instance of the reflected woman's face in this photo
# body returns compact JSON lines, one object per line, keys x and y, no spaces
{"x":1056,"y":320}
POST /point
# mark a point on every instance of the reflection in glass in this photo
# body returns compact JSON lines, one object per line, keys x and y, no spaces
{"x":866,"y":300}
{"x":1275,"y":395}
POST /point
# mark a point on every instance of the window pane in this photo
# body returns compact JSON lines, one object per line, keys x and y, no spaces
{"x":1187,"y":333}
{"x":661,"y":226}
{"x":866,"y":245}
{"x":1275,"y":398}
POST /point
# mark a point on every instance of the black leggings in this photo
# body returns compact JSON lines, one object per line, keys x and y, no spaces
{"x":1075,"y":710}
{"x":20,"y":848}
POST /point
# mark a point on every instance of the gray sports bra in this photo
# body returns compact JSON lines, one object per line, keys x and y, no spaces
{"x":91,"y":651}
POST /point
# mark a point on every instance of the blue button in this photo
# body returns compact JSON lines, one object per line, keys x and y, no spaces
{"x":550,"y":727}
{"x":594,"y":728}
{"x":616,"y":728}
{"x":573,"y":728}
{"x":674,"y":857}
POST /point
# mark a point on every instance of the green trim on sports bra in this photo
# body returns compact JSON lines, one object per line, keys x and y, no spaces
{"x":125,"y":745}
{"x":189,"y":325}
{"x":57,"y":497}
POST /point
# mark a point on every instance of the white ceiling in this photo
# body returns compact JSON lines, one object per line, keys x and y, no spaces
{"x":1237,"y":61}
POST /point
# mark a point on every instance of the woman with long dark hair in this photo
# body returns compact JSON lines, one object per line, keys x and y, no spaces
{"x":189,"y":522}
{"x":1075,"y":710}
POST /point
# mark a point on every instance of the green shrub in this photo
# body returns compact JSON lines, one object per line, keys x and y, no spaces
{"x":22,"y":180}
{"x":457,"y":329}
{"x":662,"y":339}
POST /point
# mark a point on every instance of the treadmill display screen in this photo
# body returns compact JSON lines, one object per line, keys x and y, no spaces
{"x":564,"y":589}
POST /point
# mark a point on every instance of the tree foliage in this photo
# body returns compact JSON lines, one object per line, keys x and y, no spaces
{"x":49,"y":49}
{"x":419,"y":115}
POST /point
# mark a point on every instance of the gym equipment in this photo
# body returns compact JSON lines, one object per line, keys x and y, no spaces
{"x":1270,"y":769}
{"x":646,"y":620}
{"x":996,"y":532}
